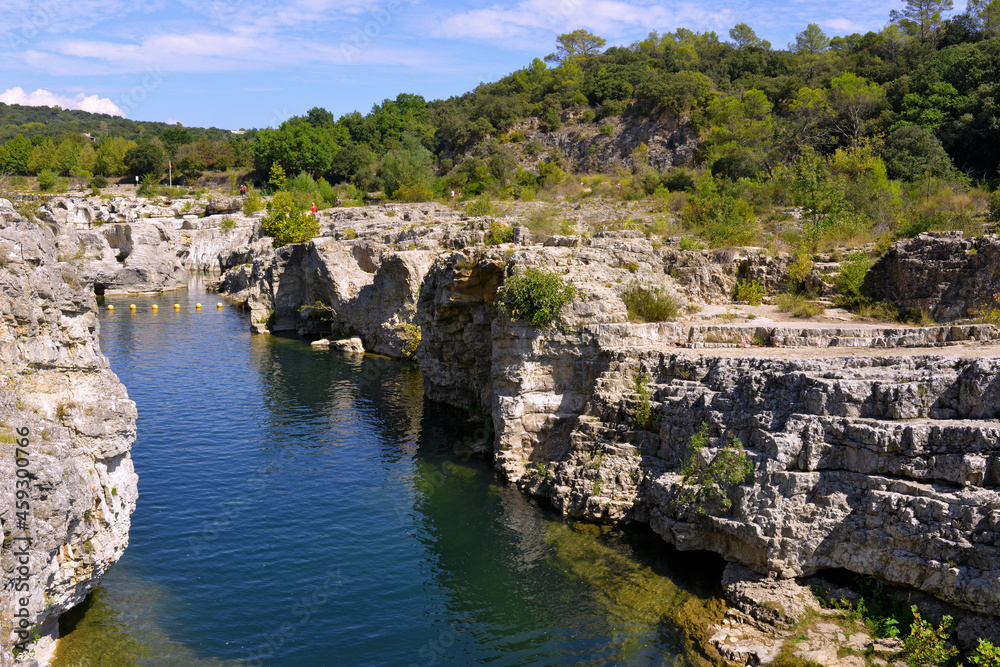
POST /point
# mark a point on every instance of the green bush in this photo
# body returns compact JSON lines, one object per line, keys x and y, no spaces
{"x":925,"y":645}
{"x":419,"y":192}
{"x":606,"y":129}
{"x":650,"y":305}
{"x":798,"y":305}
{"x":534,"y":296}
{"x":751,"y":292}
{"x":287,"y":221}
{"x":499,"y":233}
{"x":985,"y":655}
{"x":411,"y":338}
{"x":724,"y":220}
{"x":47,"y":180}
{"x":480,"y":207}
{"x":99,"y":181}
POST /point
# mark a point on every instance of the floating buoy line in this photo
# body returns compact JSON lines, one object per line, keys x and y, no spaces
{"x":132,"y":307}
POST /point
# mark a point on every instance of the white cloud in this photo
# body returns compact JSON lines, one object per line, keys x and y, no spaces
{"x":43,"y":98}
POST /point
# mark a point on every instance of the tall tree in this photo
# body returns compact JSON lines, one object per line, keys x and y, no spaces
{"x":985,"y":15}
{"x":577,"y":43}
{"x":743,"y":35}
{"x":812,"y":40}
{"x":922,"y":18}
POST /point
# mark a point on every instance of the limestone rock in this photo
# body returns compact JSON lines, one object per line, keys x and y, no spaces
{"x":349,"y":345}
{"x":58,"y":386}
{"x":938,"y":273}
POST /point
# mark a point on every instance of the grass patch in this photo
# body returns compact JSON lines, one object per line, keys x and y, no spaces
{"x":798,"y":305}
{"x":650,"y":304}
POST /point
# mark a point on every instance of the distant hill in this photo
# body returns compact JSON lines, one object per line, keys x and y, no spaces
{"x":55,"y":122}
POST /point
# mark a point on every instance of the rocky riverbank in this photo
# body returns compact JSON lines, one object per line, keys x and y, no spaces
{"x":66,"y":424}
{"x":874,"y":447}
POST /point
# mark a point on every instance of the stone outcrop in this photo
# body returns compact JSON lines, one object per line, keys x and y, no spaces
{"x":879,"y":463}
{"x":874,"y":448}
{"x":941,"y":274}
{"x":57,"y":388}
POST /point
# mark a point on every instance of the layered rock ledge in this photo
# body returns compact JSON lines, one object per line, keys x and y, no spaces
{"x":875,"y":447}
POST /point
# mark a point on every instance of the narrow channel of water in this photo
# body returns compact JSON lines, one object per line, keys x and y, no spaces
{"x":301,"y":507}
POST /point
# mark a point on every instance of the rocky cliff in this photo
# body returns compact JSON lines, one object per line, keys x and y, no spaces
{"x":873,"y":448}
{"x":66,"y":426}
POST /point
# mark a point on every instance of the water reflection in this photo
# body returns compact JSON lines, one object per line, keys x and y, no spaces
{"x":303,"y":507}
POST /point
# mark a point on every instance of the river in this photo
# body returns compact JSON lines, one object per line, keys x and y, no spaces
{"x":302,"y":507}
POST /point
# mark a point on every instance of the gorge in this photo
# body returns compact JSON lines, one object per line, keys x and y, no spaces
{"x":875,"y":447}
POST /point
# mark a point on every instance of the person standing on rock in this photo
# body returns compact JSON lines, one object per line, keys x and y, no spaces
{"x":314,"y":208}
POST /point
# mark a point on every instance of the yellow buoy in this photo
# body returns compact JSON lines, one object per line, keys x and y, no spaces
{"x":155,"y":307}
{"x":131,"y":306}
{"x":197,"y":306}
{"x":110,"y":307}
{"x":177,"y":306}
{"x":218,"y":305}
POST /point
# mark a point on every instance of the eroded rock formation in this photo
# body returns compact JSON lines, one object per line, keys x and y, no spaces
{"x":58,"y":395}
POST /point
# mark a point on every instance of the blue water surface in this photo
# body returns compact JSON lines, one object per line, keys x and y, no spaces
{"x":303,"y":507}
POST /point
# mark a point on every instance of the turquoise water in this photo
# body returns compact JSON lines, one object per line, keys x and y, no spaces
{"x":301,"y":507}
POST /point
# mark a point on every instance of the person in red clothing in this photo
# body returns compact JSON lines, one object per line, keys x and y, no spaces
{"x":314,"y":208}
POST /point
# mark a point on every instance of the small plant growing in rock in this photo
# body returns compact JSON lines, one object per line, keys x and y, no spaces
{"x":534,"y":296}
{"x":411,"y":336}
{"x":643,"y":406}
{"x":852,"y":277}
{"x":499,"y":233}
{"x":691,"y":243}
{"x":227,"y":224}
{"x":607,"y":129}
{"x":925,"y":644}
{"x":710,"y":484}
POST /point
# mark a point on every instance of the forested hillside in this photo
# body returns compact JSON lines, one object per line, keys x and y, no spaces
{"x":838,"y":125}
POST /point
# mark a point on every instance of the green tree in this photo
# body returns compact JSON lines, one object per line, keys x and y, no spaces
{"x":577,"y":43}
{"x":985,"y":15}
{"x":812,"y":40}
{"x":111,"y":156}
{"x":742,"y":131}
{"x":287,"y":221}
{"x":145,"y":159}
{"x":43,"y":157}
{"x":854,"y":100}
{"x":17,"y":152}
{"x":277,"y":177}
{"x":922,"y":18}
{"x":66,"y":155}
{"x":406,"y":164}
{"x":85,"y":159}
{"x":821,"y":195}
{"x":173,"y":138}
{"x":912,"y":151}
{"x":744,"y":36}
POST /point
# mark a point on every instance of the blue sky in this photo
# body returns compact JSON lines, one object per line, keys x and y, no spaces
{"x":233,"y":64}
